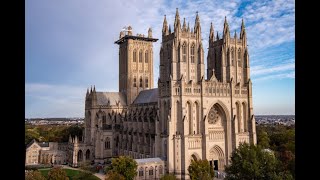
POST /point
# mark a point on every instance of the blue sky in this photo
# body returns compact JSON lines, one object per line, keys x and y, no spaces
{"x":69,"y":46}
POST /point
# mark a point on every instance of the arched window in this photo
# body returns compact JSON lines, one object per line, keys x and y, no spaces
{"x":146,"y":58}
{"x":232,"y":57}
{"x":244,"y":115}
{"x":104,"y":120}
{"x":134,"y":56}
{"x":184,"y":52}
{"x":192,"y":53}
{"x":140,"y":56}
{"x":88,"y":154}
{"x":238,"y":108}
{"x":107,"y":143}
{"x":239,"y":58}
{"x":141,"y":172}
{"x":151,"y":171}
{"x":189,"y":117}
{"x":160,"y":170}
{"x":140,"y":82}
{"x":134,"y":82}
{"x":80,"y":156}
{"x":146,"y":82}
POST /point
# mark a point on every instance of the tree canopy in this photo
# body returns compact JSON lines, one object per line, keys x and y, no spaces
{"x":125,"y":166}
{"x":200,"y":170}
{"x":253,"y":162}
{"x":34,"y":175}
{"x":114,"y":175}
{"x":57,"y":173}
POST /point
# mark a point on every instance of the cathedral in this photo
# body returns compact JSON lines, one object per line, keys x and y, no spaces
{"x":188,"y":116}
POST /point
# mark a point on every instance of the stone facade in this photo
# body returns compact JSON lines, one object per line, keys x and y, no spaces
{"x":46,"y":153}
{"x":187,"y":117}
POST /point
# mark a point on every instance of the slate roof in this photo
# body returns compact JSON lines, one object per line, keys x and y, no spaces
{"x":111,"y":98}
{"x":149,"y":160}
{"x":41,"y":144}
{"x":147,"y":96}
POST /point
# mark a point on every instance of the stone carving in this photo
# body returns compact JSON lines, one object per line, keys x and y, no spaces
{"x":213,"y":116}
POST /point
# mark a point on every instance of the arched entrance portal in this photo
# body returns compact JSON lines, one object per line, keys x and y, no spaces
{"x":216,"y":158}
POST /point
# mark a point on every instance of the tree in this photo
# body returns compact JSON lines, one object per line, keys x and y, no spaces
{"x":200,"y":169}
{"x":114,"y":175}
{"x":34,"y":175}
{"x":125,"y":166}
{"x":57,"y":173}
{"x":263,"y":139}
{"x":168,"y":177}
{"x":252,"y":162}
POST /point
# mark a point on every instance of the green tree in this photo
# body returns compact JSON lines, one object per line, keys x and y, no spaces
{"x":124,"y":166}
{"x":252,"y":162}
{"x":113,"y":175}
{"x":168,"y":177}
{"x":34,"y":175}
{"x":263,"y":139}
{"x":200,"y":170}
{"x":57,"y":173}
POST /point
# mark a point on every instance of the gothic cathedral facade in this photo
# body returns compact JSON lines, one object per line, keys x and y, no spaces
{"x":189,"y":116}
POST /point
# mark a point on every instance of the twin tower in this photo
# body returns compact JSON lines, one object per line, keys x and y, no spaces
{"x":181,"y":56}
{"x":197,"y":117}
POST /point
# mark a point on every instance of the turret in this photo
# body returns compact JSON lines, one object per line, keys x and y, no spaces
{"x":197,"y":27}
{"x":188,"y":28}
{"x":150,"y":33}
{"x":218,"y":36}
{"x":235,"y":34}
{"x":211,"y":35}
{"x":177,"y":25}
{"x":165,"y":27}
{"x":70,"y":139}
{"x":129,"y":31}
{"x":87,"y":94}
{"x":184,"y":26}
{"x":226,"y":32}
{"x":243,"y":34}
{"x":122,"y":34}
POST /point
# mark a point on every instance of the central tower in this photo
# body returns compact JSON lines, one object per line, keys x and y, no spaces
{"x":135,"y":63}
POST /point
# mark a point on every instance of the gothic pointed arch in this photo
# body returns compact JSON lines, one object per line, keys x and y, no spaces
{"x":217,"y":154}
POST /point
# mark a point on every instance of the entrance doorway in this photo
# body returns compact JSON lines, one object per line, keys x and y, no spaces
{"x":215,"y":163}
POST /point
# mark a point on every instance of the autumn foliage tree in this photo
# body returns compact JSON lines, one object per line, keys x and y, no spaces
{"x":57,"y":173}
{"x":200,"y":169}
{"x":34,"y":175}
{"x":125,"y":166}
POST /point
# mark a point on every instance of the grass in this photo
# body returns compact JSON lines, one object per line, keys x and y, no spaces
{"x":70,"y":173}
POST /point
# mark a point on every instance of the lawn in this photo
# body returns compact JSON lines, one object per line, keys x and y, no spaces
{"x":70,"y":173}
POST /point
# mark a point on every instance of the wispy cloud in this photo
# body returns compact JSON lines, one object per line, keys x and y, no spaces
{"x":262,"y":70}
{"x":70,"y":43}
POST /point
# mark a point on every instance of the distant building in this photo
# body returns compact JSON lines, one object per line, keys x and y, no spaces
{"x":46,"y":153}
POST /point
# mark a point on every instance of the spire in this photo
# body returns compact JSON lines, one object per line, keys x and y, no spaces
{"x":91,"y":89}
{"x":235,"y":34}
{"x":150,"y":33}
{"x":184,"y":26}
{"x":94,"y":88}
{"x":87,"y":91}
{"x":217,"y":35}
{"x":243,"y":30}
{"x":188,"y":28}
{"x":177,"y":21}
{"x":165,"y":26}
{"x":197,"y":26}
{"x":211,"y":36}
{"x":169,"y":29}
{"x":226,"y":32}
